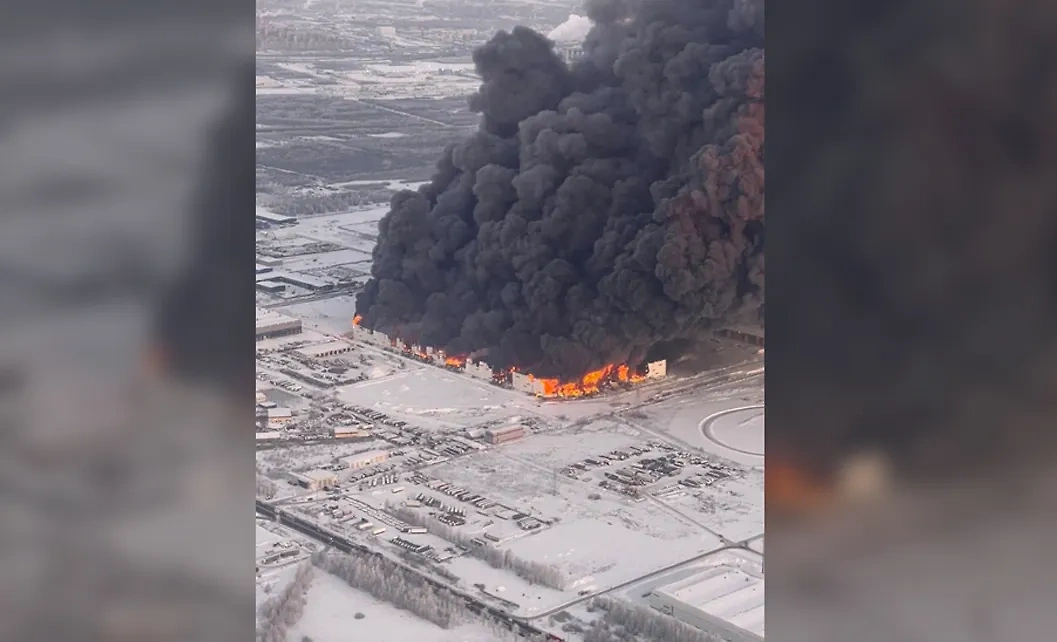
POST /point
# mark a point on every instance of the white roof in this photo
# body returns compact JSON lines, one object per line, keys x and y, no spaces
{"x":267,"y":318}
{"x":724,"y":592}
{"x":271,"y":434}
{"x":572,"y":31}
{"x":272,"y":216}
{"x":318,"y":475}
{"x":279,"y":412}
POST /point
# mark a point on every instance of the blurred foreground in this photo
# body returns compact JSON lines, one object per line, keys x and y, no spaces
{"x":121,"y":495}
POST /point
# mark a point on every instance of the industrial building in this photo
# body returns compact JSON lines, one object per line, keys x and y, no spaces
{"x":304,"y":281}
{"x":317,"y":479}
{"x":272,"y":324}
{"x":279,"y":415}
{"x":504,"y":434}
{"x":362,"y":460}
{"x":745,"y":334}
{"x":271,"y":286}
{"x":328,"y":349}
{"x":351,"y":432}
{"x":270,"y":435}
{"x":726,"y":599}
{"x":271,"y":218}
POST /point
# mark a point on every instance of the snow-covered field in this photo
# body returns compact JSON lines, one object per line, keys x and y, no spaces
{"x":432,"y":395}
{"x":378,"y":80}
{"x":330,"y":616}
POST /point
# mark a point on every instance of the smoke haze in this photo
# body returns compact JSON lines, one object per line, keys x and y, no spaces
{"x":602,"y":208}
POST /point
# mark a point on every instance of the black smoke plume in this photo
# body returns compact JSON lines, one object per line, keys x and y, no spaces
{"x":601,"y":208}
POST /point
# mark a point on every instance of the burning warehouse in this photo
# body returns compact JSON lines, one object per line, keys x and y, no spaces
{"x":591,"y":383}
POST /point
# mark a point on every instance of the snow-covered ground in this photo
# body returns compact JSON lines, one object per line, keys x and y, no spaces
{"x":376,"y":80}
{"x":332,"y":605}
{"x":681,"y":419}
{"x":429,"y":395}
{"x":597,"y":542}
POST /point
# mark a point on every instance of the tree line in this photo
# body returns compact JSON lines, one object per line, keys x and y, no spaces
{"x":389,"y":582}
{"x":625,"y":621}
{"x":533,"y":572}
{"x":280,"y":612}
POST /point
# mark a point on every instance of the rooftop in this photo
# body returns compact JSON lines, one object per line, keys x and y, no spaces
{"x":266,"y":318}
{"x":725,"y":592}
{"x":322,"y":348}
{"x":318,"y":475}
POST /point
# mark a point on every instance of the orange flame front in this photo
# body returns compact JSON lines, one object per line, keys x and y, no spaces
{"x":356,"y":320}
{"x":455,"y":362}
{"x":589,"y":384}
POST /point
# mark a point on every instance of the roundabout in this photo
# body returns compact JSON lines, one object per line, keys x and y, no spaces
{"x":738,"y":429}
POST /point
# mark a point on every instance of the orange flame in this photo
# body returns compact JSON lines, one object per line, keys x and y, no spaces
{"x":455,"y":362}
{"x":357,"y":319}
{"x":589,"y":384}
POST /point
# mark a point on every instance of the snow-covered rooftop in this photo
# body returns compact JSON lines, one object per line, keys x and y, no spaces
{"x":724,"y":592}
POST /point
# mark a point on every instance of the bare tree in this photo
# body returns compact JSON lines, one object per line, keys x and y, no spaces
{"x":533,"y":572}
{"x":278,"y":613}
{"x":266,"y":488}
{"x":388,"y":581}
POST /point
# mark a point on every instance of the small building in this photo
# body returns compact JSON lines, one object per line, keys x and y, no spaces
{"x":363,"y":460}
{"x":504,"y":434}
{"x":270,"y":435}
{"x":317,"y":479}
{"x":261,"y":269}
{"x":279,"y":415}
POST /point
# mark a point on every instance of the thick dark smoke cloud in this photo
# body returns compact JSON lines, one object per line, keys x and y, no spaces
{"x":601,"y":209}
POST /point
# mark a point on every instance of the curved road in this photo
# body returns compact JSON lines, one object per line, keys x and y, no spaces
{"x":708,"y":422}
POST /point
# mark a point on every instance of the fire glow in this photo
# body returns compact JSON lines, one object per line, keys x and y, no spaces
{"x":589,"y":384}
{"x":455,"y":362}
{"x":357,"y":320}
